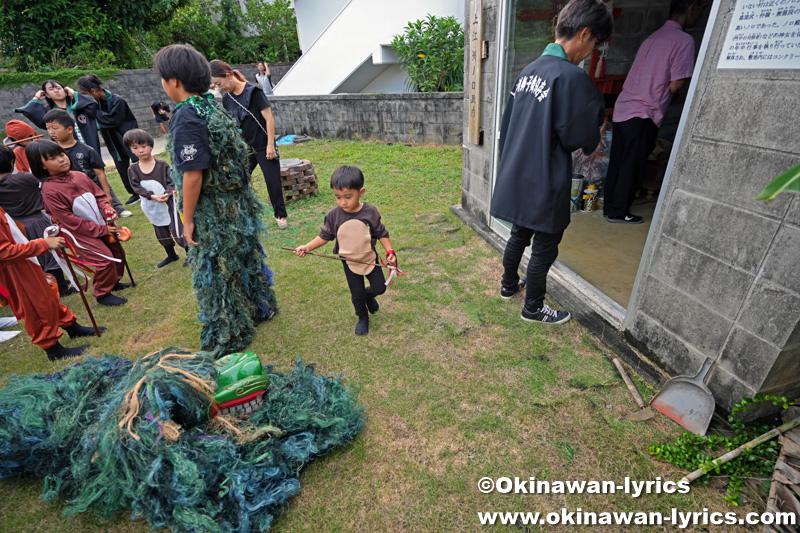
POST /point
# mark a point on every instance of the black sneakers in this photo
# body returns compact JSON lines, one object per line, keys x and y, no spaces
{"x":627,"y":219}
{"x":506,"y":294}
{"x":120,"y":286}
{"x":545,"y":315}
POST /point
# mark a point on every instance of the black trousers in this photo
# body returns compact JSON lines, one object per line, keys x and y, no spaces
{"x":124,"y":162}
{"x":632,"y":142}
{"x":271,"y":168}
{"x":544,"y":251}
{"x":358,"y":291}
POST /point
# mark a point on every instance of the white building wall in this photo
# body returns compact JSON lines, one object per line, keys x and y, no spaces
{"x":313,"y":16}
{"x":348,"y":42}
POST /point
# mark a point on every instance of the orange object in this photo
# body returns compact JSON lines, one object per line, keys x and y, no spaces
{"x":123,"y":234}
{"x":51,"y":280}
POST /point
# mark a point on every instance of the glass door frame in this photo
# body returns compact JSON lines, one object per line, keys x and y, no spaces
{"x":610,"y":310}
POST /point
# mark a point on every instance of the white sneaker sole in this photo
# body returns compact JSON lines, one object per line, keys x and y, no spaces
{"x":546,"y":323}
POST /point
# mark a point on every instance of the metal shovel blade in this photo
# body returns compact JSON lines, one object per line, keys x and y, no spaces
{"x":687,"y":400}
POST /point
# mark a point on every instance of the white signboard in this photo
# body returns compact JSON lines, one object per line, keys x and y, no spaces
{"x":763,"y":34}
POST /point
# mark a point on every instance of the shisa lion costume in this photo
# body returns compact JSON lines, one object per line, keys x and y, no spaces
{"x":231,"y":279}
{"x":115,"y":435}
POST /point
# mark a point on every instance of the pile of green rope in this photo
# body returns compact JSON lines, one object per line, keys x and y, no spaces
{"x":111,"y":435}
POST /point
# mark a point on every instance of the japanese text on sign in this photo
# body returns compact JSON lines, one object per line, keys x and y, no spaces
{"x":763,"y":34}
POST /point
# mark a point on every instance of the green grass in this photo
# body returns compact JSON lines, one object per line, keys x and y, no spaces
{"x":456,"y":386}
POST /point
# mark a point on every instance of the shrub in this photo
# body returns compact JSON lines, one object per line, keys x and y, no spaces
{"x":432,"y":51}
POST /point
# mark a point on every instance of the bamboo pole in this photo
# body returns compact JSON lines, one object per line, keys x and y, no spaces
{"x":769,"y":435}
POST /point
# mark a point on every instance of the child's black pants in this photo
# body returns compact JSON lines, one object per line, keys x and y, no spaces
{"x":358,"y":291}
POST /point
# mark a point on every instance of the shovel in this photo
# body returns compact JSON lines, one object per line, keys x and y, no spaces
{"x":644,"y":413}
{"x":687,"y":400}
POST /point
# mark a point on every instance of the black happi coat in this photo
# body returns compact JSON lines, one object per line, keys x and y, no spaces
{"x":114,"y":118}
{"x":82,"y":107}
{"x":554,"y":109}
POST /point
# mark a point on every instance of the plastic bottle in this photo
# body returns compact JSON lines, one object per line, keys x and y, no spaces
{"x":589,"y":198}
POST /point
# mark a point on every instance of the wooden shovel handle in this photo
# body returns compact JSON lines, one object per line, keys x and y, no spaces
{"x":628,"y":382}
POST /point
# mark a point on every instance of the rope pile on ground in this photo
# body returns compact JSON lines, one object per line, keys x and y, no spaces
{"x":112,"y":435}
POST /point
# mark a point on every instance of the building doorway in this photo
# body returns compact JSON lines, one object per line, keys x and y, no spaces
{"x":602,"y":258}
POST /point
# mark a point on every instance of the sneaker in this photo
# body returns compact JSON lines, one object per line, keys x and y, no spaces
{"x":132,"y":200}
{"x":506,"y":294}
{"x":627,"y":219}
{"x":111,"y":300}
{"x":545,"y":315}
{"x":125,"y":213}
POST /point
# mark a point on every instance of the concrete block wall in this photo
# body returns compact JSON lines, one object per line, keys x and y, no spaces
{"x":476,"y":173}
{"x":139,"y":88}
{"x":396,"y":117}
{"x":720,"y":277}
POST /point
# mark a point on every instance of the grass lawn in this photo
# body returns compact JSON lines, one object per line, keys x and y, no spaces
{"x":456,"y":386}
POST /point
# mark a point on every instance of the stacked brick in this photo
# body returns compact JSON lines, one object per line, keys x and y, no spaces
{"x":299,"y":181}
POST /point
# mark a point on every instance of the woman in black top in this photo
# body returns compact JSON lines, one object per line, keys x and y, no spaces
{"x":251,"y":109}
{"x":114,"y":118}
{"x":55,"y":96}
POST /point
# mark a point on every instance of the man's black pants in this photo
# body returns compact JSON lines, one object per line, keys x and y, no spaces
{"x":359,"y":293}
{"x":633,"y":140}
{"x":544,"y":251}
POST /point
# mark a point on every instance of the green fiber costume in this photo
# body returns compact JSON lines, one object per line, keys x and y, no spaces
{"x":231,"y":279}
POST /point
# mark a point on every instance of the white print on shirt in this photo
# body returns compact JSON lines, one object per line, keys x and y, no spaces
{"x":187,"y":154}
{"x":82,"y":119}
{"x":534,"y":85}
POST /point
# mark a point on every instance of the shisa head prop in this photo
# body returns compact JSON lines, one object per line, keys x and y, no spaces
{"x":241,"y":384}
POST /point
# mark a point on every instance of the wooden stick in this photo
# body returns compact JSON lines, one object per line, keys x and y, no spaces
{"x":336,"y":257}
{"x":628,"y":382}
{"x":80,"y":290}
{"x":769,"y":435}
{"x":25,"y":139}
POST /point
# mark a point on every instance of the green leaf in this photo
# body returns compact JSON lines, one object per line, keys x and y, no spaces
{"x":789,"y":181}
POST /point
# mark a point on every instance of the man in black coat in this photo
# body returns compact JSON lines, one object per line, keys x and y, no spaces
{"x":554,"y":109}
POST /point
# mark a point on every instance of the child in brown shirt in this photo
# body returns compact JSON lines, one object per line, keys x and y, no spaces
{"x":356,"y":226}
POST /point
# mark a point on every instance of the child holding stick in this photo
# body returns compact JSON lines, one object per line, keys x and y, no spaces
{"x":24,"y":286}
{"x":80,"y":207}
{"x":355,"y":226}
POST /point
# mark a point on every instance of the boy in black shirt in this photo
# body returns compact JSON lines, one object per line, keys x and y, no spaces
{"x":60,"y":126}
{"x":355,"y":226}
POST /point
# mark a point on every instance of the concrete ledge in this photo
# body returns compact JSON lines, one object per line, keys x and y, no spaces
{"x":593,"y":310}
